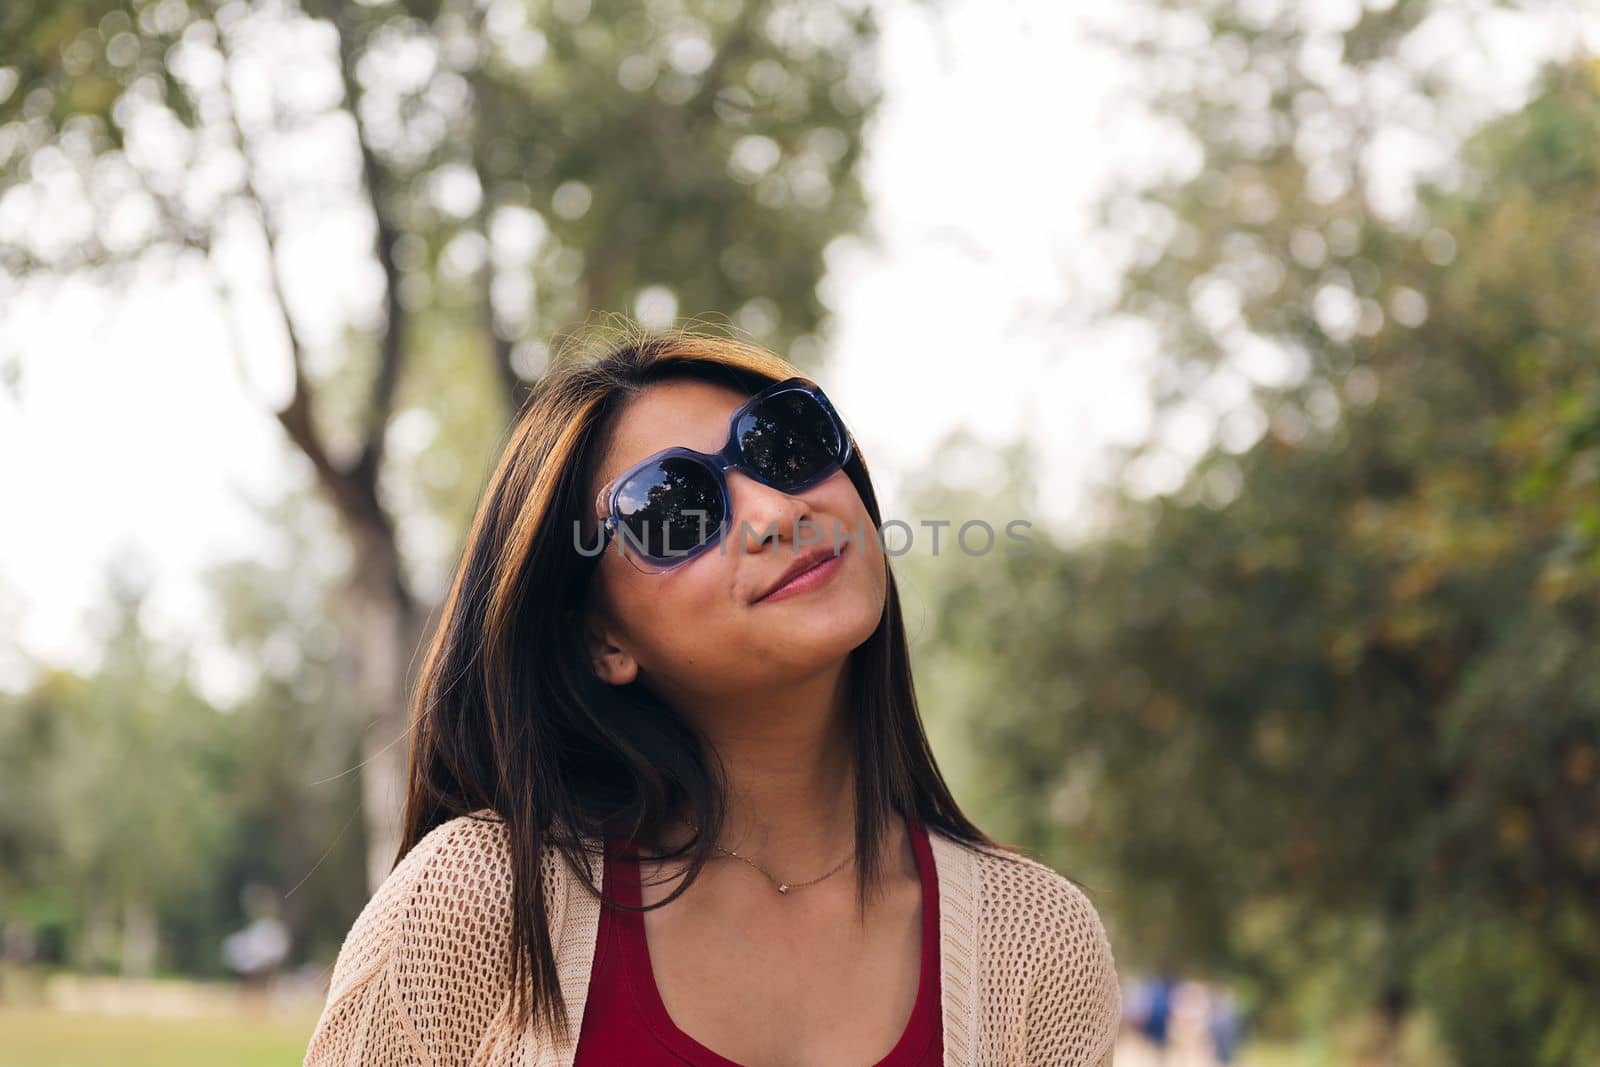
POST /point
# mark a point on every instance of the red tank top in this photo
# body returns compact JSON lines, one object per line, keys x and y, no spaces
{"x":625,"y":1021}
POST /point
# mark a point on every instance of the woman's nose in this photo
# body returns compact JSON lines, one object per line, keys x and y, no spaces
{"x":762,"y":513}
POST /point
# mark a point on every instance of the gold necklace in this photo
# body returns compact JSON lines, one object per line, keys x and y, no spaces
{"x":784,"y":887}
{"x":781,"y":886}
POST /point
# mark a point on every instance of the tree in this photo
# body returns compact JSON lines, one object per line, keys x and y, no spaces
{"x":114,"y":819}
{"x":1330,"y":710}
{"x":514,"y":166}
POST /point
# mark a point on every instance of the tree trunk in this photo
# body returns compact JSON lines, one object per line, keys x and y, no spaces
{"x":141,"y":939}
{"x":98,"y":942}
{"x":1393,"y":1005}
{"x":386,"y":629}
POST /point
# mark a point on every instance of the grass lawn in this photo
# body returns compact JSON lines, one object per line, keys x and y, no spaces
{"x":35,"y":1037}
{"x":40,"y":1037}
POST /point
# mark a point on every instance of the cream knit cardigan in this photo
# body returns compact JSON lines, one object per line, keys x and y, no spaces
{"x":1026,"y":971}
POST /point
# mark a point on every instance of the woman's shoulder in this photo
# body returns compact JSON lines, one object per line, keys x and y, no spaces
{"x":1016,"y":881}
{"x":422,"y":975}
{"x":1031,"y":886}
{"x":466,"y":858}
{"x":467,"y":848}
{"x":458,"y":876}
{"x":1042,"y":937}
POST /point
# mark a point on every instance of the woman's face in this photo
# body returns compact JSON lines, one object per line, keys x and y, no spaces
{"x":702,"y":629}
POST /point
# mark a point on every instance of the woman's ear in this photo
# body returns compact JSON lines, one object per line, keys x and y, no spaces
{"x":612,"y":663}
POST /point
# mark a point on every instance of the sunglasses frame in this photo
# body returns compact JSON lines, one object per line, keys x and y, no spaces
{"x":729,"y":457}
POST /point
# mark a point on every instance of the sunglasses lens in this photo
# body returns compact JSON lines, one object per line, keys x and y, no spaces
{"x":789,"y":439}
{"x":669,"y":509}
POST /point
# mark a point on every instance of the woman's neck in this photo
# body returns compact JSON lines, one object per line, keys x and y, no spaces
{"x":789,"y":762}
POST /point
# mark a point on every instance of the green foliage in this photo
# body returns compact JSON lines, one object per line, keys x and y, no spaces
{"x":709,"y":147}
{"x":523,"y":167}
{"x":1330,"y":712}
{"x":520,"y":167}
{"x":126,"y":791}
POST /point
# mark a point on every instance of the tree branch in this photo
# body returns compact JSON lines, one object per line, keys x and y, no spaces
{"x":513,"y":387}
{"x":740,"y":36}
{"x":297,"y":416}
{"x":602,"y":258}
{"x":377,"y":182}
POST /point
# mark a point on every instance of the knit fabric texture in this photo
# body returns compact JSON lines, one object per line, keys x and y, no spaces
{"x":1027,"y":974}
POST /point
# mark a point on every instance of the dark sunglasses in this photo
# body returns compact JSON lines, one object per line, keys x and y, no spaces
{"x":674,"y":505}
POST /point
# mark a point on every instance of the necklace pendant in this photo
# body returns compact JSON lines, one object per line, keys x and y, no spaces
{"x":783,"y":888}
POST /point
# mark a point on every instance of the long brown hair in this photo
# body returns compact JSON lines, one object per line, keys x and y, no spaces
{"x":508,"y":714}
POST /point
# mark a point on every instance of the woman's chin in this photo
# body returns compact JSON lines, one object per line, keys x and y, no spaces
{"x":826,"y":635}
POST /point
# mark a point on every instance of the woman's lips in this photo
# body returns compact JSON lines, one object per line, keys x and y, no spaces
{"x":806,"y":580}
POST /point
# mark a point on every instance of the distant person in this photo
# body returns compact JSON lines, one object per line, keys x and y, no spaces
{"x":1227,"y":1026}
{"x":257,"y":949}
{"x":255,"y":953}
{"x":1154,"y":1016}
{"x":715,"y":730}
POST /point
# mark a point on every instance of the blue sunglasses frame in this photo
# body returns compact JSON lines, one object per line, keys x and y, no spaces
{"x":729,"y":457}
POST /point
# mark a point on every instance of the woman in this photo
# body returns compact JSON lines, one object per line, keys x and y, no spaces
{"x":670,"y":800}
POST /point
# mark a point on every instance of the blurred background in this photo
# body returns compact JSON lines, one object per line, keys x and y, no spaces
{"x":1276,"y":319}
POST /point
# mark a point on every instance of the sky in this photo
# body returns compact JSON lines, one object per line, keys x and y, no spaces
{"x":140,"y":427}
